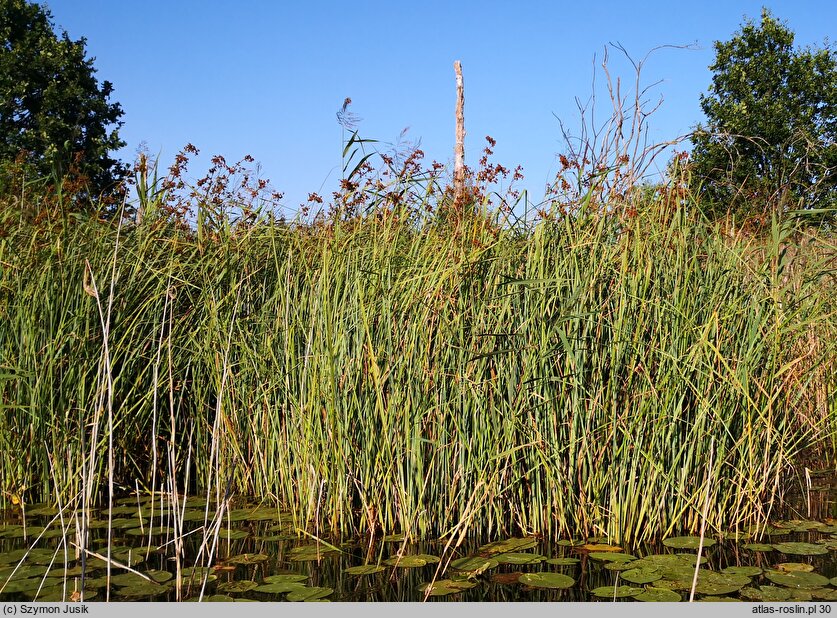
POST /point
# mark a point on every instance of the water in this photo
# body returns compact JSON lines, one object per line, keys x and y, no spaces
{"x":259,"y":543}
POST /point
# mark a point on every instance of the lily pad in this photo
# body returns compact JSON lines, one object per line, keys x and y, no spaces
{"x":242,"y":585}
{"x":508,"y":545}
{"x":799,"y":567}
{"x":406,"y":562}
{"x":661,"y":595}
{"x":822,"y":594}
{"x":759,"y":547}
{"x":33,"y":556}
{"x":563,"y":561}
{"x":687,"y":542}
{"x":444,"y":587}
{"x":749,"y":571}
{"x":547,"y":580}
{"x":393,"y":538}
{"x":765,"y":593}
{"x":25,"y":571}
{"x":800,"y":549}
{"x":365,"y":569}
{"x":519,"y":558}
{"x":309,"y":594}
{"x":641,"y":576}
{"x":233,"y":535}
{"x":474,"y":565}
{"x":285,"y":578}
{"x":132,"y":579}
{"x":30,"y":584}
{"x":145,"y":589}
{"x":600,"y":547}
{"x":309,"y":553}
{"x":246,"y":559}
{"x":618,"y":592}
{"x":610,"y":556}
{"x":797,"y":579}
{"x":570,"y":543}
{"x":279,"y":587}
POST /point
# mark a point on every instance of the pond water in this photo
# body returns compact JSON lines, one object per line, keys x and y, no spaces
{"x":258,"y":556}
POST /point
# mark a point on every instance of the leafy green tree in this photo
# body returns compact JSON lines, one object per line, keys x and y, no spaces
{"x":769,"y":139}
{"x":55,"y":117}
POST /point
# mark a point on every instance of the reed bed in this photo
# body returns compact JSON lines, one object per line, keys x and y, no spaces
{"x":376,"y":373}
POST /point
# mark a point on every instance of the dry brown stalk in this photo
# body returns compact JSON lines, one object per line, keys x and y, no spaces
{"x":459,"y":148}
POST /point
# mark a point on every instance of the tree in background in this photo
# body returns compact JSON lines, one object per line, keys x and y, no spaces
{"x":55,"y":118}
{"x":769,"y":139}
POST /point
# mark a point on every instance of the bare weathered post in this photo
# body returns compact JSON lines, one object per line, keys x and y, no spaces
{"x":459,"y":148}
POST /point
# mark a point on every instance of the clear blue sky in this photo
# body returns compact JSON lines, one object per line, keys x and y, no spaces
{"x":266,"y":77}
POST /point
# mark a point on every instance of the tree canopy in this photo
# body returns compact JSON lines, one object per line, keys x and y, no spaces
{"x":771,"y":122}
{"x":55,"y":116}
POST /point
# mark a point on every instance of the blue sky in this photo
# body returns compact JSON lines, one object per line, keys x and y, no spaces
{"x":265,"y":78}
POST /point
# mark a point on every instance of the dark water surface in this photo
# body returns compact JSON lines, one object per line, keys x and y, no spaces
{"x":259,"y":546}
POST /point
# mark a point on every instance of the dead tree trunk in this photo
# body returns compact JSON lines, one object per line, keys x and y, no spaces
{"x":459,"y":148}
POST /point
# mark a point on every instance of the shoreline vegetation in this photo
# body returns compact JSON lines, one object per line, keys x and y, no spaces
{"x":615,"y":365}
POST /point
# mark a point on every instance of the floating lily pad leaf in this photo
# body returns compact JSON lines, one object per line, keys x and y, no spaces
{"x":563,"y":561}
{"x":827,"y":530}
{"x":196,"y":515}
{"x":800,"y":549}
{"x":155,"y":531}
{"x":802,"y":526}
{"x":25,"y":571}
{"x":366,"y":569}
{"x":279,"y":587}
{"x":822,"y":594}
{"x":794,"y":567}
{"x":129,"y":579}
{"x":34,"y":556}
{"x":57,"y":594}
{"x":508,"y":545}
{"x":11,"y":531}
{"x":687,"y":542}
{"x":246,"y":559}
{"x":407,"y":562}
{"x":198,"y":574}
{"x":243,"y":585}
{"x":444,"y":587}
{"x":620,"y":566}
{"x":618,"y":592}
{"x":42,"y":510}
{"x":429,"y":558}
{"x":749,"y":571}
{"x":799,"y":594}
{"x":661,"y":595}
{"x":309,"y":594}
{"x":133,"y":523}
{"x":474,"y":565}
{"x":308,"y":553}
{"x":253,"y":514}
{"x":833,"y":581}
{"x":611,"y":556}
{"x":233,"y":535}
{"x":506,"y":578}
{"x":129,"y":509}
{"x":30,"y":584}
{"x":600,"y":547}
{"x":132,"y":558}
{"x":797,"y":579}
{"x":765,"y":593}
{"x":393,"y":538}
{"x":146,"y":589}
{"x":519,"y":558}
{"x":641,"y":576}
{"x":718,"y":599}
{"x":570,"y":543}
{"x":760,"y":547}
{"x":547,"y":580}
{"x":285,"y":578}
{"x":717,"y":588}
